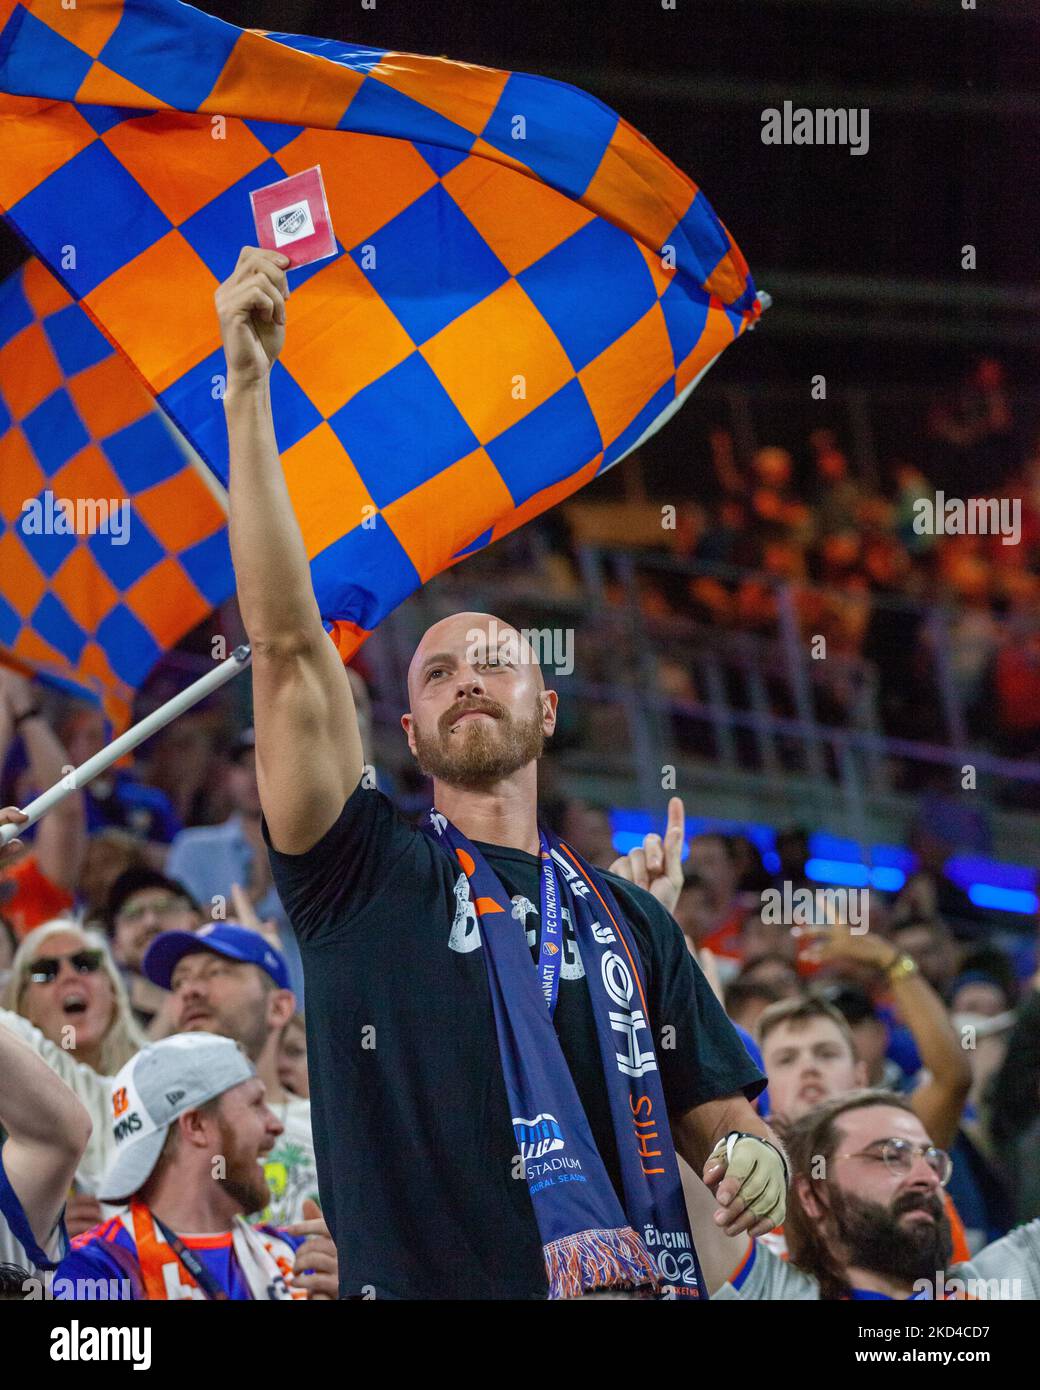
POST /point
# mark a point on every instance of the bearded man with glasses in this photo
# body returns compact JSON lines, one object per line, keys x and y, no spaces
{"x":866,"y":1219}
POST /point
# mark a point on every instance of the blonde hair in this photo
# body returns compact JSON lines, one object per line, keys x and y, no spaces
{"x":803,"y":1009}
{"x":122,"y":1037}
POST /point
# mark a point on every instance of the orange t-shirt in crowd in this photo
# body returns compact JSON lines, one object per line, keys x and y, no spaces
{"x":35,"y":898}
{"x":961,"y":1253}
{"x":806,"y":968}
{"x":725,"y":940}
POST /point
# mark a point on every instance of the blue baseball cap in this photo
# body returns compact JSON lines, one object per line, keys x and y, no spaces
{"x":223,"y":939}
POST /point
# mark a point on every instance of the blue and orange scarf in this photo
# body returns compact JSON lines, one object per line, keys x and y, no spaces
{"x":589,"y":1242}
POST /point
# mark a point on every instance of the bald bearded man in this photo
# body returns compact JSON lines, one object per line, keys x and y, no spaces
{"x":506,"y":1047}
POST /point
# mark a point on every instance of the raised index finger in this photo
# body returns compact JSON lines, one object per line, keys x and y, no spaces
{"x":673,"y":838}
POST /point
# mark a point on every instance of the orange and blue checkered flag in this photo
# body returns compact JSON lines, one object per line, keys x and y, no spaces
{"x":523,"y":287}
{"x":112,"y":546}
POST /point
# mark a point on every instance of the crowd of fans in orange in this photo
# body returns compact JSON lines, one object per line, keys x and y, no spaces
{"x":871,"y":572}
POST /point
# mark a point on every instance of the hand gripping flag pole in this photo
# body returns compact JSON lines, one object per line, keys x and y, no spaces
{"x":238,"y":661}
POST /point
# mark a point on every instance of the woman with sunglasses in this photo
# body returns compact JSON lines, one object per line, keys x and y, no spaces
{"x":66,"y":999}
{"x":64,"y":981}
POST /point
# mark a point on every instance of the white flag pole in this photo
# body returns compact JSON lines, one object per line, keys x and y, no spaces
{"x":149,"y":725}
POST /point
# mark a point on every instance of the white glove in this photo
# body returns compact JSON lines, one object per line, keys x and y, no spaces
{"x":760,"y":1169}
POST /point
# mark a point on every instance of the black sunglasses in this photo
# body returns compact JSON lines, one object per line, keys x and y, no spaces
{"x":45,"y":969}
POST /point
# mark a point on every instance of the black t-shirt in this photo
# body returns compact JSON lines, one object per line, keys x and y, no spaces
{"x":413,"y":1136}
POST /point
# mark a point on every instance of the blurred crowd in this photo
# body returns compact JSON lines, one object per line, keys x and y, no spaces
{"x":961,"y":1032}
{"x":88,"y":891}
{"x":140,"y":932}
{"x":878,"y":585}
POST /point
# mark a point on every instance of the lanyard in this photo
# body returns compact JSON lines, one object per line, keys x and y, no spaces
{"x":206,"y":1280}
{"x":152,"y":1259}
{"x":550,"y":944}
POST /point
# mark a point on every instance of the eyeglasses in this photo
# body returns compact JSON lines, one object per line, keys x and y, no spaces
{"x":166,"y":907}
{"x":44,"y":970}
{"x":898,"y":1157}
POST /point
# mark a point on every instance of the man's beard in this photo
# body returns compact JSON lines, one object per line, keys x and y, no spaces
{"x":876,"y":1240}
{"x":244,"y":1179}
{"x":484,"y":753}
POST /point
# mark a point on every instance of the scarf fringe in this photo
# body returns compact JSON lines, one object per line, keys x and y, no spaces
{"x":590,"y":1260}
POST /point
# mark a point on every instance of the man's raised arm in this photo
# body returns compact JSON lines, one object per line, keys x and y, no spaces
{"x":308,"y":748}
{"x":939,"y":1101}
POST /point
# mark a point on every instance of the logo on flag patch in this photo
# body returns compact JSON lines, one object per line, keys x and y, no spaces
{"x":292,"y":223}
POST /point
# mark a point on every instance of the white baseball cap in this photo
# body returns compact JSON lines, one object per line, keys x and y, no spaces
{"x":157,"y":1085}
